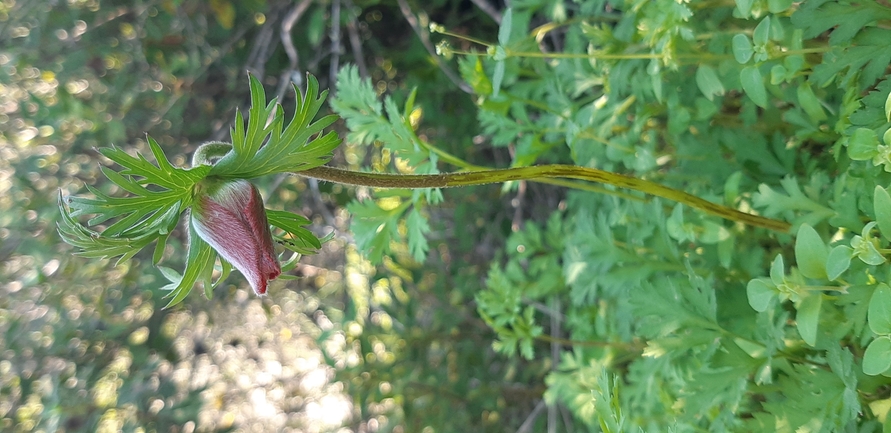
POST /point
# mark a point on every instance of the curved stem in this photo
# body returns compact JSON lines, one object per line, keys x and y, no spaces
{"x":445,"y":180}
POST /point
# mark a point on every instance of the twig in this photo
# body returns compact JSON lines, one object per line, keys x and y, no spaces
{"x":425,"y":40}
{"x":488,"y":9}
{"x":293,"y":71}
{"x":526,"y":427}
{"x":262,"y":49}
{"x":355,"y":40}
{"x":336,"y":49}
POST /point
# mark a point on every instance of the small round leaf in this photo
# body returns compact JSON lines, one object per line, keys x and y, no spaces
{"x":863,"y":144}
{"x":877,"y":357}
{"x":879,"y":313}
{"x":808,"y":317}
{"x":810,"y":253}
{"x":882,"y":205}
{"x":778,"y":271}
{"x":708,"y":82}
{"x":760,"y":293}
{"x":762,"y":32}
{"x":838,"y":261}
{"x":742,"y":48}
{"x":753,"y":84}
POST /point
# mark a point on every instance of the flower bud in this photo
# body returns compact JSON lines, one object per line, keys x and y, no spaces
{"x":229,"y":215}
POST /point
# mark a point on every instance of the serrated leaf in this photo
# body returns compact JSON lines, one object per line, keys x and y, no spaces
{"x":865,"y":60}
{"x":708,"y":82}
{"x":791,"y":199}
{"x":845,"y":19}
{"x":760,"y":293}
{"x":838,"y":261}
{"x":417,"y":234}
{"x":882,"y":207}
{"x":877,"y":357}
{"x":879,"y":313}
{"x":753,"y":84}
{"x":265,"y":147}
{"x":808,"y":317}
{"x":374,"y":227}
{"x":863,"y":144}
{"x":742,"y":48}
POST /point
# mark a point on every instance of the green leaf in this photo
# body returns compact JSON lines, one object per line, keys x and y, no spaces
{"x":791,"y":199}
{"x":295,"y":237}
{"x":742,"y":48}
{"x":879,"y":313}
{"x":505,"y":28}
{"x":865,"y":246}
{"x":760,"y":292}
{"x":810,"y":253}
{"x":417,"y":232}
{"x":863,"y":144}
{"x":95,"y":245}
{"x":201,"y":257}
{"x":497,"y":77}
{"x":753,"y":84}
{"x":882,"y":207}
{"x":778,"y":6}
{"x":374,"y":227}
{"x":808,"y":316}
{"x":266,"y":148}
{"x":865,"y":60}
{"x":762,"y":32}
{"x":877,"y":357}
{"x":844,"y":19}
{"x":777,"y":271}
{"x":888,"y":109}
{"x":708,"y":82}
{"x":778,"y":74}
{"x":745,"y":7}
{"x":838,"y":261}
{"x":809,"y":102}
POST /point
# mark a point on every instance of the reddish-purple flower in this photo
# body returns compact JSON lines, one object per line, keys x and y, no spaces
{"x":229,"y":215}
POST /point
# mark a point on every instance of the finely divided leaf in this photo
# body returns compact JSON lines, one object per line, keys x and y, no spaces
{"x":266,"y":148}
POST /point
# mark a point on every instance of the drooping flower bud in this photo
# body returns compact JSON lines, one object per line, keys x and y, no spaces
{"x":229,"y":215}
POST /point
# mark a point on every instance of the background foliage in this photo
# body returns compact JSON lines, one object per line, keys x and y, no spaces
{"x":521,"y":307}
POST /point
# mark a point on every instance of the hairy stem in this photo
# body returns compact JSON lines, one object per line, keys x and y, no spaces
{"x":556,"y":171}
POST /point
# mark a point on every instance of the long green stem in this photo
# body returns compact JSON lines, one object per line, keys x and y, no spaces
{"x":445,"y":180}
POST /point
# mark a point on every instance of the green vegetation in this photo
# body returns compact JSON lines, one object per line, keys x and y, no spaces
{"x":543,"y":303}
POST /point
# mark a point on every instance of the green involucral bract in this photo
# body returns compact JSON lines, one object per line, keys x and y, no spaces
{"x":228,"y":218}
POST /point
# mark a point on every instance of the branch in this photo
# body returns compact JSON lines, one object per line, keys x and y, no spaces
{"x":446,"y":180}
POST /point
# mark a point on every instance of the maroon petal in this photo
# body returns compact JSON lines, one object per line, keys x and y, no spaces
{"x":231,"y":218}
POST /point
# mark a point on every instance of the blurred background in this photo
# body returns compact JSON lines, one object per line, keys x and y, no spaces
{"x":85,"y":344}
